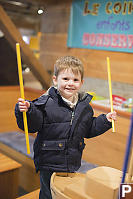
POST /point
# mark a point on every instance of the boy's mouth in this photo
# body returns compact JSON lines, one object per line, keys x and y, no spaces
{"x":70,"y":89}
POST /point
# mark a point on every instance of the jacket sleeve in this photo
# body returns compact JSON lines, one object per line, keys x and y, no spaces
{"x":34,"y":118}
{"x":98,"y":126}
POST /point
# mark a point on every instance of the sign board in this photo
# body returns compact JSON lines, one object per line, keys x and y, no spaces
{"x":101,"y":25}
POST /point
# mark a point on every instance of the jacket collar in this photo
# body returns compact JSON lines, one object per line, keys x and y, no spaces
{"x":53,"y":92}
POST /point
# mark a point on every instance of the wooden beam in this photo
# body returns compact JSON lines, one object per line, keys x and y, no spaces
{"x":13,"y":36}
{"x":24,"y":23}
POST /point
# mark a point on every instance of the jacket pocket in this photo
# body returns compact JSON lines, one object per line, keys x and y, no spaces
{"x":54,"y":145}
{"x":53,"y":154}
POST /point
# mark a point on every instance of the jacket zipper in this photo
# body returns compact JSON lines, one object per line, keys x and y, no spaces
{"x":73,"y":113}
{"x":72,"y":117}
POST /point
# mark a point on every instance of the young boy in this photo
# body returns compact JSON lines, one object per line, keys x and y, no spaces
{"x":62,"y":117}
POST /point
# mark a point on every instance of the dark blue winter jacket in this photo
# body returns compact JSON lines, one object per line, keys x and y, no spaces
{"x":61,"y":130}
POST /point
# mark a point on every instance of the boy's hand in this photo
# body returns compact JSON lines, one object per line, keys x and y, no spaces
{"x":23,"y":105}
{"x":111,"y":116}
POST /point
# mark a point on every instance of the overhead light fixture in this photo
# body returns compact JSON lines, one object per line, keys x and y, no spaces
{"x":27,"y":70}
{"x":1,"y":34}
{"x":26,"y":39}
{"x":40,"y":11}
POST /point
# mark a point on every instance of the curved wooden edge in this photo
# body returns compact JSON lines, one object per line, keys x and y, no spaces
{"x":107,"y":109}
{"x":56,"y":192}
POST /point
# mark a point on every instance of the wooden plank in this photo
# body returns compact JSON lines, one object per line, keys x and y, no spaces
{"x":55,"y":42}
{"x":9,"y":177}
{"x":13,"y":36}
{"x":28,"y":178}
{"x":54,"y":46}
{"x":56,"y":18}
{"x":7,"y":164}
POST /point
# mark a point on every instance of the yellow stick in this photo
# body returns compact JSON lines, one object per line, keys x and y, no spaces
{"x":22,"y":95}
{"x":110,"y":91}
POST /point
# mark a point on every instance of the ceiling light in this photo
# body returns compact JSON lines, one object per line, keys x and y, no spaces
{"x":26,"y":39}
{"x":1,"y":34}
{"x":40,"y":11}
{"x":27,"y":70}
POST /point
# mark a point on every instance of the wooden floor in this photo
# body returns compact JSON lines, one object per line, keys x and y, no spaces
{"x":107,"y":149}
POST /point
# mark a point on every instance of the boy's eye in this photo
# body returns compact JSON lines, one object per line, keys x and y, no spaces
{"x":76,"y":80}
{"x":65,"y":78}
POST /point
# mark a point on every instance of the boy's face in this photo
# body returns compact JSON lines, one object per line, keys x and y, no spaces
{"x":68,"y":83}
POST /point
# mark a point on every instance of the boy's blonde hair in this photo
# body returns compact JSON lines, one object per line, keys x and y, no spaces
{"x":67,"y":62}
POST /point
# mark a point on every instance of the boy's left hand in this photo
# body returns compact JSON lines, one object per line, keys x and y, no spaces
{"x":111,"y":116}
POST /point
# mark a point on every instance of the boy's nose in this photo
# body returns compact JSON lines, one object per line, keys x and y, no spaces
{"x":70,"y":82}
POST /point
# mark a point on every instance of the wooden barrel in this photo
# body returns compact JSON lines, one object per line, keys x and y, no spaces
{"x":55,"y":190}
{"x":59,"y":182}
{"x":101,"y":182}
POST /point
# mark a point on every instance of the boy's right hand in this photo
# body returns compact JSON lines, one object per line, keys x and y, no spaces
{"x":23,"y":105}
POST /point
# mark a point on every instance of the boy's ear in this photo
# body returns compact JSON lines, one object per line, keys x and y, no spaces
{"x":54,"y":80}
{"x":82,"y":82}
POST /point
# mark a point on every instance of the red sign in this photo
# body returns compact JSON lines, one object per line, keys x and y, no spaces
{"x":117,"y":100}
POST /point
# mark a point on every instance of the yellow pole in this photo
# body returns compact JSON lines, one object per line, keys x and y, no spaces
{"x":22,"y":95}
{"x":110,"y":91}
